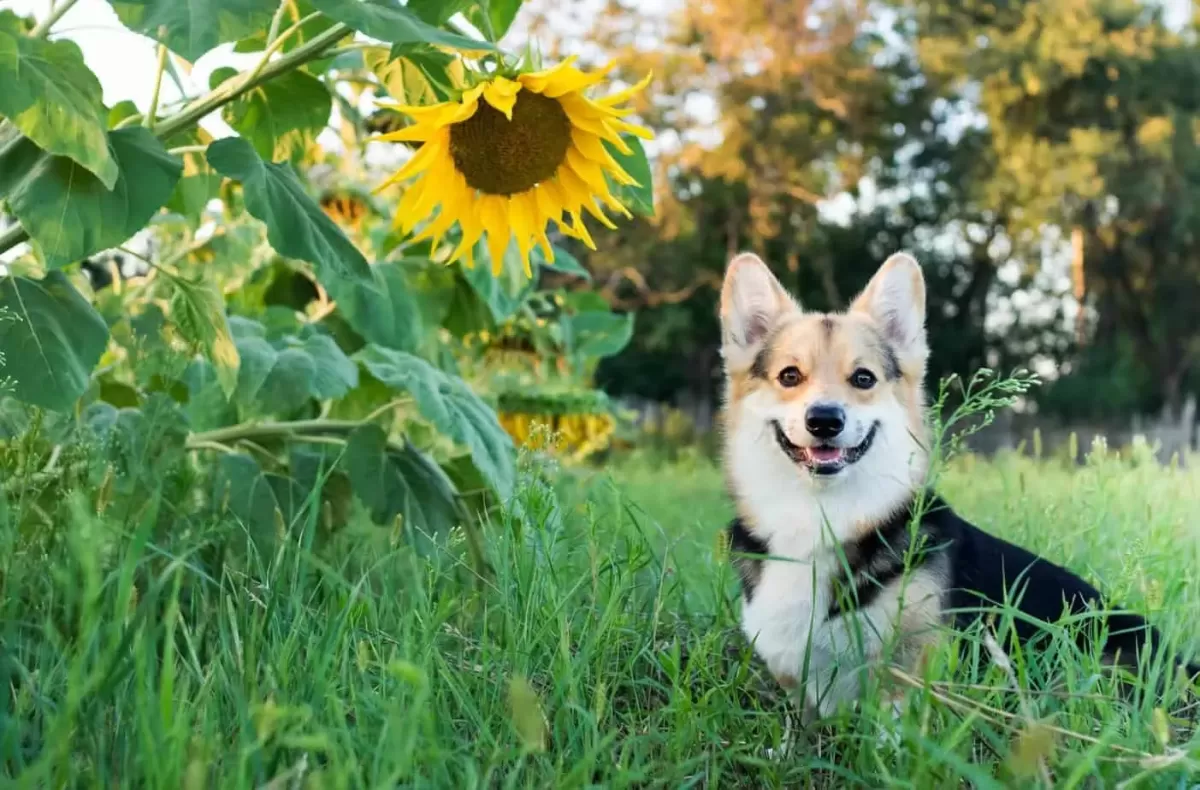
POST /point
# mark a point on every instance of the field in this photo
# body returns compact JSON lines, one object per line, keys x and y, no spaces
{"x":601,"y":650}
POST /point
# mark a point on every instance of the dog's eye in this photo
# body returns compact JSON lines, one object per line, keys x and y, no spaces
{"x":862,"y":379}
{"x":791,"y":376}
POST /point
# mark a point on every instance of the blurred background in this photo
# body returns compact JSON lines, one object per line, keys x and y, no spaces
{"x":1039,"y":158}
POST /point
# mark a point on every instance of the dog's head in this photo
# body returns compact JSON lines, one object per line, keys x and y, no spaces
{"x":822,"y":396}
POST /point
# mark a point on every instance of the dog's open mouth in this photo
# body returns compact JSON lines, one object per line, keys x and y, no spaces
{"x":824,"y":459}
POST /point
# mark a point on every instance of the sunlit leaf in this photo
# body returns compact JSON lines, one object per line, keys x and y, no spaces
{"x":194,"y":27}
{"x":50,"y":95}
{"x":198,"y":311}
{"x":388,"y":20}
{"x":281,"y":117}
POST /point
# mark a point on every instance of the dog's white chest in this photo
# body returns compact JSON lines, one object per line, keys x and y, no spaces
{"x":785,"y":616}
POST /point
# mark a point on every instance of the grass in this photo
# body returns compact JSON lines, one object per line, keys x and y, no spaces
{"x":602,"y":651}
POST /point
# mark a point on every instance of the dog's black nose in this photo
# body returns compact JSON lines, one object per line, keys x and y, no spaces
{"x":824,"y":421}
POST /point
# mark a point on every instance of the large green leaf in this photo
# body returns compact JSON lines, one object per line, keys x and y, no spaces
{"x":448,"y":403}
{"x":48,"y":93}
{"x":384,"y":311}
{"x":599,"y":333}
{"x":495,"y":17}
{"x":564,"y":262}
{"x":436,"y":12}
{"x":312,"y":28}
{"x":193,"y":27}
{"x":257,"y":499}
{"x":638,"y":199}
{"x":335,"y":374}
{"x":504,"y":293}
{"x":410,"y":73}
{"x":281,"y":117}
{"x":280,"y":377}
{"x":400,"y":480}
{"x":296,"y":225}
{"x":198,"y":310}
{"x":69,"y":211}
{"x":388,"y":20}
{"x":55,"y":341}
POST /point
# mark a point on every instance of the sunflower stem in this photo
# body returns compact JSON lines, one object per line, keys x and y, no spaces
{"x":158,"y":78}
{"x":42,"y":29}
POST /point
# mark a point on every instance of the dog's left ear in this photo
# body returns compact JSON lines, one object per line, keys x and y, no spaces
{"x":895,"y":299}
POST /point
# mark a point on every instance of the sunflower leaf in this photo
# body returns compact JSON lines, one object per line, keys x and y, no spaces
{"x":198,"y":312}
{"x":499,"y":16}
{"x":400,"y":482}
{"x":389,"y":21}
{"x":448,"y":403}
{"x":69,"y":211}
{"x":280,"y":118}
{"x":50,"y":339}
{"x":640,"y":198}
{"x":296,"y":225}
{"x":52,"y":97}
{"x":193,"y":27}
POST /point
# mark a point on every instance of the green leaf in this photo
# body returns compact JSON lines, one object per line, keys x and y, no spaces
{"x":389,"y":21}
{"x":69,"y":211}
{"x":638,"y":199}
{"x":192,"y":194}
{"x":281,"y":117}
{"x":55,"y":341}
{"x":291,"y":381}
{"x":307,"y":32}
{"x":253,"y":498}
{"x":564,"y":263}
{"x":500,"y":16}
{"x":599,"y":333}
{"x":402,"y":481}
{"x":503,"y":294}
{"x":194,"y":27}
{"x":54,"y":99}
{"x":436,"y":12}
{"x":450,"y":406}
{"x":384,"y":311}
{"x":296,"y":225}
{"x":411,"y":74}
{"x":198,"y":310}
{"x":335,"y":373}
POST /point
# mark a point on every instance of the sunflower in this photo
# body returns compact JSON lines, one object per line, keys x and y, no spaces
{"x":511,"y":155}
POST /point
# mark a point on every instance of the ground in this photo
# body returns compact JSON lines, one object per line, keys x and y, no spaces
{"x":600,"y":650}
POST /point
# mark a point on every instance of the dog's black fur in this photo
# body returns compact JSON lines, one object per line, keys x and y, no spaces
{"x":983,"y":572}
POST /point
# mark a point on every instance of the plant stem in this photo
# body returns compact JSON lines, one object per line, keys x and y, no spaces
{"x":275,"y":45}
{"x":233,"y":88}
{"x":220,"y":96}
{"x":272,"y":429}
{"x":56,"y":13}
{"x":152,"y":113}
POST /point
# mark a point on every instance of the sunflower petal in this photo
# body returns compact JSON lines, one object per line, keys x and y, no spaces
{"x":493,"y":212}
{"x":417,"y":133}
{"x":624,"y":95}
{"x":421,"y":161}
{"x":523,"y":213}
{"x":580,"y":230}
{"x":502,"y":93}
{"x":573,"y":80}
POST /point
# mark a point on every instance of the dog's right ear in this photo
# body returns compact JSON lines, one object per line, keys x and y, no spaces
{"x":751,"y":300}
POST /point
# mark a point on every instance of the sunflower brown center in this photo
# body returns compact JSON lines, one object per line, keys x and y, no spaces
{"x":502,"y":157}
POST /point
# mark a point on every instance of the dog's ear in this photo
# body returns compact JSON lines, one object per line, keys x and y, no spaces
{"x":751,"y":300}
{"x":895,"y":300}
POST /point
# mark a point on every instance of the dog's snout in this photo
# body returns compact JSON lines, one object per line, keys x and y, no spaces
{"x":825,"y":421}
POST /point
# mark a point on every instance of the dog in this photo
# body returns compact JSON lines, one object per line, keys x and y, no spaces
{"x":840,"y":546}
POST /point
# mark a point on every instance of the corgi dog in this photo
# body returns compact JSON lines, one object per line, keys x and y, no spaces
{"x":840,"y":547}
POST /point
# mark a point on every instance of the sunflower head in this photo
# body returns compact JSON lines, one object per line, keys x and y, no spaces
{"x":509,"y":156}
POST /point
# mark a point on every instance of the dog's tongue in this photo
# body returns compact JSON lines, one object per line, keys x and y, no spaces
{"x":826,"y":455}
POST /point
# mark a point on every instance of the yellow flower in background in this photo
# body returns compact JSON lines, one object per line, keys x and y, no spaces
{"x":510,"y":156}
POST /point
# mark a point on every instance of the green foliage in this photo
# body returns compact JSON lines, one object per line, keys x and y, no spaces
{"x":450,"y":406}
{"x":284,"y":362}
{"x":54,"y":99}
{"x":280,"y":118}
{"x":69,"y":211}
{"x":389,"y":21}
{"x":55,"y":341}
{"x":197,"y":26}
{"x":296,"y":226}
{"x":639,"y":198}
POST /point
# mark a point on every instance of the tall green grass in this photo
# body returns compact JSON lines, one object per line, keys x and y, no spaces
{"x":600,"y":650}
